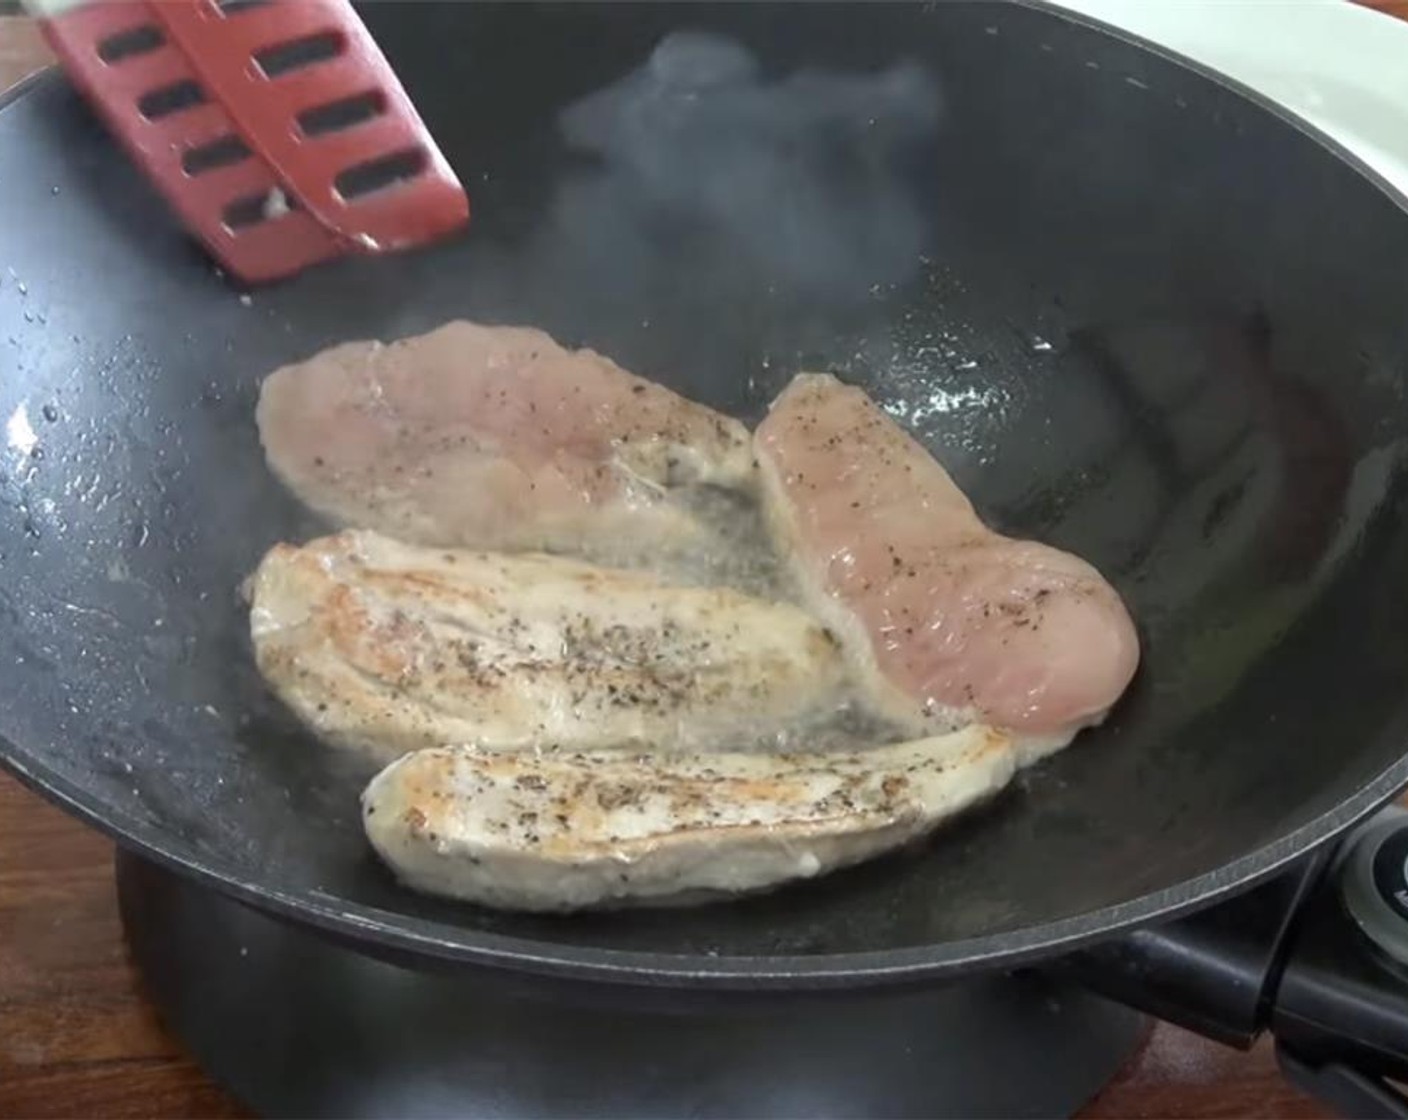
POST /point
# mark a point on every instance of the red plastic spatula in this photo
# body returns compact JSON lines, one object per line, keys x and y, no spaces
{"x":275,"y":128}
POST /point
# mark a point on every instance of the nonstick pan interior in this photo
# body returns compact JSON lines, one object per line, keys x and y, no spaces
{"x":1137,"y":315}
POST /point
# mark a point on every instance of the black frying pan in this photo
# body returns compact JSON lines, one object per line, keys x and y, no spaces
{"x":1137,"y":313}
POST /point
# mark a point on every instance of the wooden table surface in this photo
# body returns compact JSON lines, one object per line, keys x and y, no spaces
{"x":79,"y":1038}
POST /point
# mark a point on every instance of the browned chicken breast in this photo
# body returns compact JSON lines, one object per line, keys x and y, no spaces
{"x":393,"y":647}
{"x":567,"y":830}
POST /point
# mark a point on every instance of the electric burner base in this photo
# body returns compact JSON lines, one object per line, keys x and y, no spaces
{"x":295,"y":1024}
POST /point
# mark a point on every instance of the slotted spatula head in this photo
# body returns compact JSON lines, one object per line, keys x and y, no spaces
{"x":275,"y":128}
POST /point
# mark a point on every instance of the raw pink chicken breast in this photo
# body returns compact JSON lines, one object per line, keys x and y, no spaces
{"x":949,"y":621}
{"x":497,"y":438}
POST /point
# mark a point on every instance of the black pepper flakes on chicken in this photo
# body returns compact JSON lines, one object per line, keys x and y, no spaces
{"x":393,"y":647}
{"x":557,"y":831}
{"x":497,"y":437}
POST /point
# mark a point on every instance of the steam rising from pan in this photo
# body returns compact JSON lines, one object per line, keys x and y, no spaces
{"x":795,"y":176}
{"x":713,"y":197}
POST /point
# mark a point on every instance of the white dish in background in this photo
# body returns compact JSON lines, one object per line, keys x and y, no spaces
{"x":1341,"y":67}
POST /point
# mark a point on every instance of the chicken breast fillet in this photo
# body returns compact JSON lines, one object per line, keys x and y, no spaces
{"x":565,"y":831}
{"x":949,"y":620}
{"x":393,"y":647}
{"x":497,"y":438}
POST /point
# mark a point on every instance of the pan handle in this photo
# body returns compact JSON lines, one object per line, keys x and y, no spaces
{"x":1347,"y":1091}
{"x":1318,"y":957}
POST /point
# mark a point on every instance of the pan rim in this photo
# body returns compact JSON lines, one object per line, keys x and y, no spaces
{"x":375,"y":928}
{"x":871,"y":969}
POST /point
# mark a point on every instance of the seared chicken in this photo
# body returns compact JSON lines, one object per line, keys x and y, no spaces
{"x":497,"y":438}
{"x":393,"y":647}
{"x":568,"y":830}
{"x":950,"y":621}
